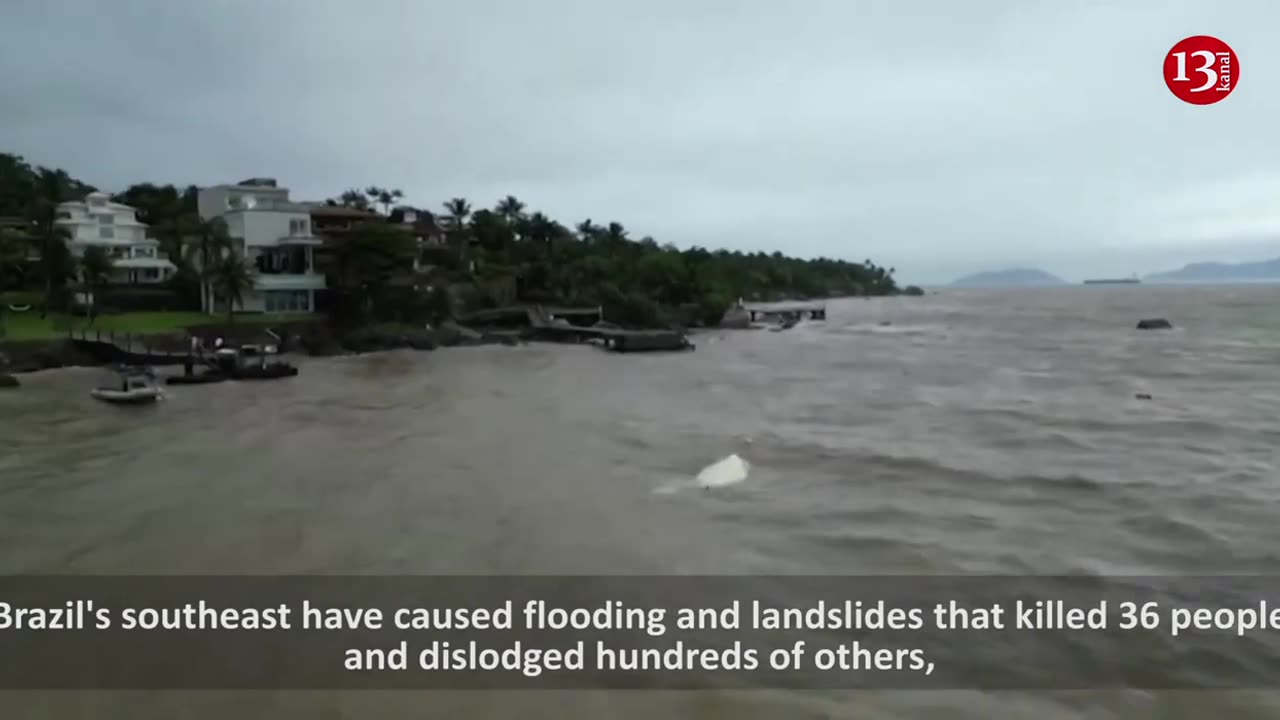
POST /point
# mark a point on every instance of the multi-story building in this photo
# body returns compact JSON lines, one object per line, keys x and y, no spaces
{"x":274,"y":235}
{"x":431,"y":238}
{"x":334,"y":224}
{"x":96,"y":221}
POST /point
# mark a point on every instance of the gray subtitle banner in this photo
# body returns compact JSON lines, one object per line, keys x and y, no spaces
{"x":639,"y":632}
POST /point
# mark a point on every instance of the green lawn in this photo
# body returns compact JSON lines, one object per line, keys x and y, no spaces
{"x":30,"y":326}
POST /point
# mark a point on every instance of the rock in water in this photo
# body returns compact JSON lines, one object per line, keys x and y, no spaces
{"x":728,"y":471}
{"x":1142,"y":396}
{"x":1154,"y":324}
{"x":8,"y":381}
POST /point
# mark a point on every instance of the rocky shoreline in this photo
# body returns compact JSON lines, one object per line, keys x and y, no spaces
{"x":322,"y":341}
{"x":314,"y":339}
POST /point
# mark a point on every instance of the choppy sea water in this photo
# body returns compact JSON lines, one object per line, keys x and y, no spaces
{"x":976,"y":432}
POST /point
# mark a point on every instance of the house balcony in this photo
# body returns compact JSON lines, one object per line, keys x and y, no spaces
{"x":305,"y":240}
{"x":289,"y":281}
{"x":144,"y":263}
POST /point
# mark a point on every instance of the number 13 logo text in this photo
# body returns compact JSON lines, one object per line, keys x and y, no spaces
{"x":1201,"y":70}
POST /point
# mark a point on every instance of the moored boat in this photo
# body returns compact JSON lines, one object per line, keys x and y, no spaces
{"x":137,"y":386}
{"x":249,"y":362}
{"x":266,"y":371}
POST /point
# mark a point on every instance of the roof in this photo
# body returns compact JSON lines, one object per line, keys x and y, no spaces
{"x":341,"y":211}
{"x":426,"y":226}
{"x":106,"y":203}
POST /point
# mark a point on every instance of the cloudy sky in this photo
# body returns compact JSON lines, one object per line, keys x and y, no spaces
{"x":939,"y":137}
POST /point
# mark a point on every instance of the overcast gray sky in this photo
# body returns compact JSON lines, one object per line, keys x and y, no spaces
{"x":939,"y":137}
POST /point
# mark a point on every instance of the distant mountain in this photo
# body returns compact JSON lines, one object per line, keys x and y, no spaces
{"x":1015,"y":277}
{"x":1221,"y":272}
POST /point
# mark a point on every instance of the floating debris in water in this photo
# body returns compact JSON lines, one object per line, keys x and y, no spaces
{"x":727,"y":471}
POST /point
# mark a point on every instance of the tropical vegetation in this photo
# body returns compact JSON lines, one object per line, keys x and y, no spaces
{"x":506,"y":253}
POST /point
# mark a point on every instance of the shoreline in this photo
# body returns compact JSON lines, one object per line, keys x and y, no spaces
{"x":318,"y":338}
{"x":26,"y":357}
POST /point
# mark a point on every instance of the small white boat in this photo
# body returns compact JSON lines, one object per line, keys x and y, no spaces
{"x":137,"y":387}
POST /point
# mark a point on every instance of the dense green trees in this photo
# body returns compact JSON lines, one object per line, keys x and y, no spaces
{"x":363,"y":271}
{"x":373,"y":277}
{"x":642,"y":282}
{"x":95,"y":273}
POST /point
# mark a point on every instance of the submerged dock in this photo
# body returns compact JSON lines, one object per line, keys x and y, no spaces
{"x":568,"y":325}
{"x":785,"y":310}
{"x":645,"y":340}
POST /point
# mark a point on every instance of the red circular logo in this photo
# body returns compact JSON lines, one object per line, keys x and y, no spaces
{"x":1201,"y":70}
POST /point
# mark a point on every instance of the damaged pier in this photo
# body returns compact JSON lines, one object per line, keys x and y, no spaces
{"x":577,"y":325}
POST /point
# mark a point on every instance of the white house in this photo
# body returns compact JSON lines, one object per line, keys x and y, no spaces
{"x":98,"y":221}
{"x":274,"y":235}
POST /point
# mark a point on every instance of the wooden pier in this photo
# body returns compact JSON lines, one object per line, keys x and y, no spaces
{"x":624,"y":341}
{"x":557,"y":324}
{"x":785,"y":310}
{"x":125,"y":348}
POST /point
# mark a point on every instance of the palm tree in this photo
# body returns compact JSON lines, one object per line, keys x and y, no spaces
{"x":95,"y":272}
{"x":459,"y":210}
{"x":231,"y":277}
{"x":354,"y":198}
{"x":511,"y":209}
{"x":13,"y":255}
{"x":57,"y":265}
{"x":389,"y":198}
{"x":383,"y":196}
{"x":210,"y":241}
{"x":52,"y":188}
{"x":587,"y":230}
{"x":616,"y":234}
{"x":540,"y":229}
{"x":197,"y":244}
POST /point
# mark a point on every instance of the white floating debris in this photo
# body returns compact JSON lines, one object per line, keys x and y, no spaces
{"x":728,"y":471}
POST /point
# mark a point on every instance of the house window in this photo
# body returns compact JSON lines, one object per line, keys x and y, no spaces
{"x":64,"y":215}
{"x":107,"y":219}
{"x":287,"y":301}
{"x":106,"y":232}
{"x":297,"y":227}
{"x":151,"y":274}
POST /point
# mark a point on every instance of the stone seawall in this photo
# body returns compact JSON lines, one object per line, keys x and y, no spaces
{"x":20,"y":356}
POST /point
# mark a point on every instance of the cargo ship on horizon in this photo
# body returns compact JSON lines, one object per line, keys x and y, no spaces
{"x":1113,"y":281}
